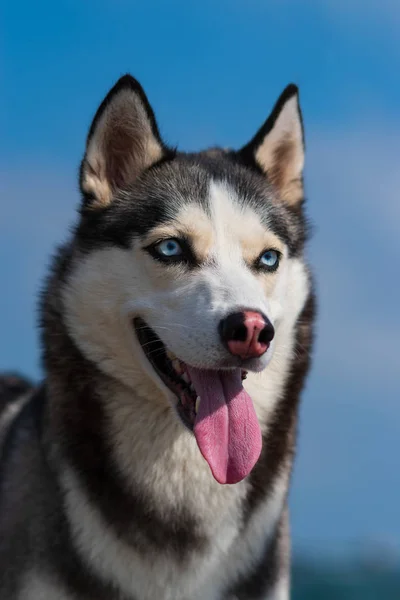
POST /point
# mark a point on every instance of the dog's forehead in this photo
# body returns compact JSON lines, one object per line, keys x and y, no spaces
{"x":189,"y":178}
{"x":209,"y":190}
{"x":221,"y":222}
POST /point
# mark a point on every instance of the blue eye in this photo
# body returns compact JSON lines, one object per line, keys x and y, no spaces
{"x":173,"y":251}
{"x":168,"y":248}
{"x":270,"y":260}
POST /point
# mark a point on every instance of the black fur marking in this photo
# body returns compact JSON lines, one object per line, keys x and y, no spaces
{"x":119,"y":223}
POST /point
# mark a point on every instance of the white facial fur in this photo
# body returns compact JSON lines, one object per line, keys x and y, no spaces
{"x":112,"y":285}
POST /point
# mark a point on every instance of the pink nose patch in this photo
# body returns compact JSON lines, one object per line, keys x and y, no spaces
{"x":253,"y":345}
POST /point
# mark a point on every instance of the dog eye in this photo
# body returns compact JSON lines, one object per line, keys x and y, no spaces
{"x":170,"y":248}
{"x":269,"y":260}
{"x":173,"y":250}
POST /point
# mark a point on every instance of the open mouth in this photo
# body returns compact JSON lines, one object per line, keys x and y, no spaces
{"x":173,"y":372}
{"x":213,"y":404}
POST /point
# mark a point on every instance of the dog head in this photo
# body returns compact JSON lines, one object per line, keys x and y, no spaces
{"x":183,"y":263}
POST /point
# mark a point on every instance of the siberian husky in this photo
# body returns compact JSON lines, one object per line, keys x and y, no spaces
{"x":154,"y":461}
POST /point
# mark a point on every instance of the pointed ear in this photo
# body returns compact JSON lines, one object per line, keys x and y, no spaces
{"x":123,"y":141}
{"x":277,"y":149}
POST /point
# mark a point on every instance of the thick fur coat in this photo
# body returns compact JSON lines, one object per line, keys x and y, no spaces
{"x":104,"y":492}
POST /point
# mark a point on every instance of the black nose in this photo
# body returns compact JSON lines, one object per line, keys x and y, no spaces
{"x":246,"y":334}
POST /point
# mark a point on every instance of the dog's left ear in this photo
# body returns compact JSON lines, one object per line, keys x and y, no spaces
{"x":277,"y":149}
{"x":123,"y":142}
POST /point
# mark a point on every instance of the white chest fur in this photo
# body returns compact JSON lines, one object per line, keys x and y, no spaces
{"x":230,"y":551}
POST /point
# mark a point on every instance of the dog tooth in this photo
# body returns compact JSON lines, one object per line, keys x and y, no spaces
{"x":179,"y":367}
{"x":197,"y":404}
{"x":170,"y":355}
{"x":176,"y":365}
{"x":185,"y":377}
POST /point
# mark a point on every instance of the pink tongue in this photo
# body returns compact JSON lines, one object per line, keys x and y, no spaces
{"x":226,"y":427}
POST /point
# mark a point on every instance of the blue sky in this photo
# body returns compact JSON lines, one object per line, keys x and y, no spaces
{"x":212,"y":71}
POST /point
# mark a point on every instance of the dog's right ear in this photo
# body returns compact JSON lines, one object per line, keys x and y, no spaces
{"x":123,"y":141}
